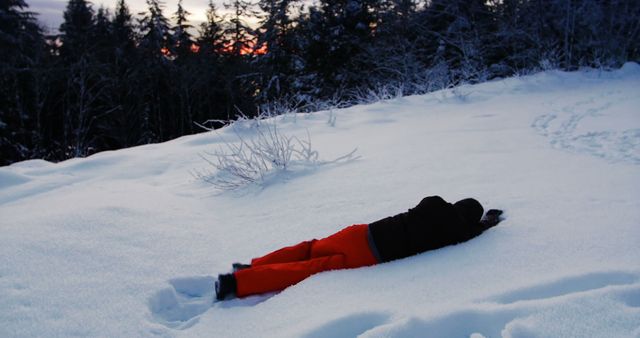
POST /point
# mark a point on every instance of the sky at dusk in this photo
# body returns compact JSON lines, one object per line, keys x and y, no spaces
{"x":50,"y":11}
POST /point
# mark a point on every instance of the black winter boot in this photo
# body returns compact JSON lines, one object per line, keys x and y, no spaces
{"x":225,"y":286}
{"x":239,"y":266}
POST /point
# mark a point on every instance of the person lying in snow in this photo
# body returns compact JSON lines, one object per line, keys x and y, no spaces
{"x":432,"y":224}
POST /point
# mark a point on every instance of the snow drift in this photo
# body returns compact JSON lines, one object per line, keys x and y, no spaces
{"x":126,"y":243}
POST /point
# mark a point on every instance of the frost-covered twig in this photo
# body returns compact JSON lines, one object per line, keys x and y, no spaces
{"x":378,"y":93}
{"x":267,"y":152}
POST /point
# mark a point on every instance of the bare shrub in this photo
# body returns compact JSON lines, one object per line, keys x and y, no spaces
{"x":380,"y":92}
{"x":264,"y":154}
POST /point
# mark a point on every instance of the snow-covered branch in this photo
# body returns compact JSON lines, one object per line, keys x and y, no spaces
{"x":266,"y":153}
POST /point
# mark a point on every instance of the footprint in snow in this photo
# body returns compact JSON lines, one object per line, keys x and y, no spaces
{"x":583,"y":127}
{"x":180,"y":305}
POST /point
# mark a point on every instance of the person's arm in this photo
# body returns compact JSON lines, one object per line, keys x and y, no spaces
{"x":491,"y":219}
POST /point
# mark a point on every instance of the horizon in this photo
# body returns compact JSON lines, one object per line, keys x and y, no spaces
{"x":50,"y":12}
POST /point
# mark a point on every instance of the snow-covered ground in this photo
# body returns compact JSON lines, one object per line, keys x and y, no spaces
{"x":126,"y":243}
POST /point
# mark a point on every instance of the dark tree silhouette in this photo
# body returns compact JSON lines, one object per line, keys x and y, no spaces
{"x":108,"y":81}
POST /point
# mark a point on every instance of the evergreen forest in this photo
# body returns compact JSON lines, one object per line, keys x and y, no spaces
{"x":110,"y":79}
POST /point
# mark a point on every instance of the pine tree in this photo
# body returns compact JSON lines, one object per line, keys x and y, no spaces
{"x":310,"y":40}
{"x":458,"y":34}
{"x":19,"y":31}
{"x":238,"y":77}
{"x":155,"y":45}
{"x":276,"y":48}
{"x":184,"y":74}
{"x":123,"y":128}
{"x":211,"y":37}
{"x":123,"y":30}
{"x":181,"y":36}
{"x":239,"y":37}
{"x":156,"y":39}
{"x":210,"y":74}
{"x":22,"y":49}
{"x":76,"y":30}
{"x":394,"y":56}
{"x":348,"y":28}
{"x":86,"y":41}
{"x":102,"y":36}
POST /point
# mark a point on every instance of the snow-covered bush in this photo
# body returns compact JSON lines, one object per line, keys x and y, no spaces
{"x":302,"y":103}
{"x":380,"y":92}
{"x":263,"y":154}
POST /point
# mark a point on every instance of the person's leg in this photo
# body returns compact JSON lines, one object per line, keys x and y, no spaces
{"x":275,"y":277}
{"x":348,"y":248}
{"x":294,"y":253}
{"x":352,"y":242}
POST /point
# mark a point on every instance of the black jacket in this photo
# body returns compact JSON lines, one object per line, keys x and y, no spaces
{"x":432,"y":224}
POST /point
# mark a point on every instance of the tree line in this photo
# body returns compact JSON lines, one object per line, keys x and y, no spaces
{"x":110,"y":80}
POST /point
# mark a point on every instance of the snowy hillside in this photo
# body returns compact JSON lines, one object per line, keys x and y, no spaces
{"x":126,"y":243}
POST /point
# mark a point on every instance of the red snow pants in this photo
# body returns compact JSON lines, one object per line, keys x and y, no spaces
{"x":348,"y":248}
